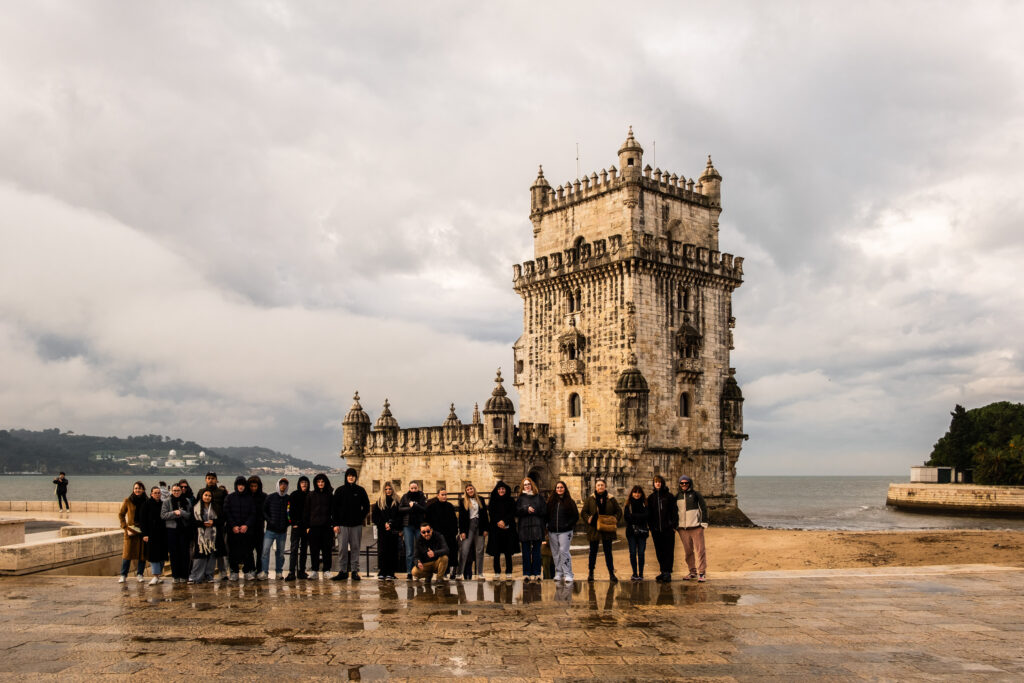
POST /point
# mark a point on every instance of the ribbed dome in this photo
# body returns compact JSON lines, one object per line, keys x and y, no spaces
{"x":386,"y":419}
{"x":452,"y":420}
{"x":356,"y":415}
{"x":631,"y":144}
{"x":709,"y":172}
{"x":631,"y":378}
{"x":499,"y":402}
{"x":731,"y":390}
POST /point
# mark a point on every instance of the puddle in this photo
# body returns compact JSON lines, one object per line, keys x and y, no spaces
{"x":736,"y":599}
{"x":234,"y":641}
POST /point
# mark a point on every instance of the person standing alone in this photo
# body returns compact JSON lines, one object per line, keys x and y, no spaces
{"x":61,"y":483}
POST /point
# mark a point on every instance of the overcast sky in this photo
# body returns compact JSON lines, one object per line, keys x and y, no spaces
{"x":218,"y":220}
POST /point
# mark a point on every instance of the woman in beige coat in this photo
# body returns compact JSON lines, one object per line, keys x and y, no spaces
{"x":134,"y":549}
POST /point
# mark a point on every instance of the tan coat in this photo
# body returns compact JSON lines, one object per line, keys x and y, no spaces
{"x":590,"y":510}
{"x":134,"y":548}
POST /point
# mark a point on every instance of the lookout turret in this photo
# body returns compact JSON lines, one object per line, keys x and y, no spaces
{"x":631,"y":157}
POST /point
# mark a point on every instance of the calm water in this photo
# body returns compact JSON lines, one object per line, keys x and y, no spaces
{"x":780,"y":502}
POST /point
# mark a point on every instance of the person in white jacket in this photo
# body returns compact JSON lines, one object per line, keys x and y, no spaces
{"x":693,"y":519}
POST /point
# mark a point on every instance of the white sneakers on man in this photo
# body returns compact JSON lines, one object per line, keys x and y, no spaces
{"x":155,"y":580}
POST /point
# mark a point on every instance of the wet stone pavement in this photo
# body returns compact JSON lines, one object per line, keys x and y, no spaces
{"x":926,"y":623}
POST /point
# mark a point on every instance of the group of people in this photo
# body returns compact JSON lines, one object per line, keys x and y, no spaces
{"x":218,"y":533}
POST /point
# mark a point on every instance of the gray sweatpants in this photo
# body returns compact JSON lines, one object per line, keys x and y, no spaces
{"x":349,"y":540}
{"x":473,"y":544}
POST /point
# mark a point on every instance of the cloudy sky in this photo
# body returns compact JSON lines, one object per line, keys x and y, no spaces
{"x":217,"y":220}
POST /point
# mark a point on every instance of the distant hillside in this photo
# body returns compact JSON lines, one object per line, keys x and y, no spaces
{"x":51,"y":450}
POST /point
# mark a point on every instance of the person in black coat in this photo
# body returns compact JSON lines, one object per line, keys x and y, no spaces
{"x":154,"y":535}
{"x":562,"y":515}
{"x":176,"y":512}
{"x":663,"y":519}
{"x":531,"y":512}
{"x":503,"y":538}
{"x":317,"y":516}
{"x":388,"y":521}
{"x":351,"y":506}
{"x":61,"y":489}
{"x":413,"y":506}
{"x":240,"y":517}
{"x":636,"y":515}
{"x":298,"y":541}
{"x":443,"y":519}
{"x":259,"y":531}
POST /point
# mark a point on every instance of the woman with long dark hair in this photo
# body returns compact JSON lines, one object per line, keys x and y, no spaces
{"x":562,"y":516}
{"x":602,"y":514}
{"x":388,"y":521}
{"x":636,"y":515}
{"x":154,"y":535}
{"x":134,"y":548}
{"x":503,"y":538}
{"x":663,"y":516}
{"x":205,"y":557}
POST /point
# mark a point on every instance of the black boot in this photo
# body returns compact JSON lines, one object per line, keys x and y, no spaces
{"x":340,"y":576}
{"x":290,"y":577}
{"x":356,"y":577}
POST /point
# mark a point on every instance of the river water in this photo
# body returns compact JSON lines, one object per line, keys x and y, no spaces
{"x":853,"y":503}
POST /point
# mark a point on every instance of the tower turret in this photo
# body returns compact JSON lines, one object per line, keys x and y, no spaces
{"x":631,"y":156}
{"x":711,"y":183}
{"x":387,"y":423}
{"x":355,"y":428}
{"x":539,"y":193}
{"x":632,"y":392}
{"x":499,"y":414}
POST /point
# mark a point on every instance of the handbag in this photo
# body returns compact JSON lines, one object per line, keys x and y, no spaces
{"x":638,"y":532}
{"x":607,"y":524}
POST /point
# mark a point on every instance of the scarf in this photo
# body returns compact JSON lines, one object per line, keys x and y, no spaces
{"x":206,"y":536}
{"x":602,"y":500}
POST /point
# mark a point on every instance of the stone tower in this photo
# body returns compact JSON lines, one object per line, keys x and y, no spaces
{"x":627,"y":327}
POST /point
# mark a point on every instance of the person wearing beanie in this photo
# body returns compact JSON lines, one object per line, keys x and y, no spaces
{"x":351,"y":506}
{"x":693,"y":519}
{"x":299,"y":541}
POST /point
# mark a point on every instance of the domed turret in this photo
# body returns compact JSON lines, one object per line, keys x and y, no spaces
{"x":499,"y":411}
{"x":539,"y":192}
{"x":631,"y":379}
{"x":711,"y":183}
{"x":355,"y":428}
{"x":732,"y":407}
{"x":632,"y":392}
{"x":386,"y":420}
{"x":452,"y":420}
{"x":631,"y":156}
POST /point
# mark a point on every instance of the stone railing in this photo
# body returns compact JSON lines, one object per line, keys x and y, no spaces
{"x":974,"y":499}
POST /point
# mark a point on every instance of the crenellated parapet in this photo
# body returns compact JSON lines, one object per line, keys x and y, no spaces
{"x":586,"y":256}
{"x":441,"y":440}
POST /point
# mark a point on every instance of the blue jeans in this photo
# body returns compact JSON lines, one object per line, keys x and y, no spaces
{"x":637,"y":548}
{"x":269,"y":538}
{"x":531,"y":558}
{"x":140,"y":567}
{"x":410,"y":533}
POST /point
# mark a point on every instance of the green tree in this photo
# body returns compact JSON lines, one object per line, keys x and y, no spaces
{"x":1003,"y":465}
{"x":954,"y":449}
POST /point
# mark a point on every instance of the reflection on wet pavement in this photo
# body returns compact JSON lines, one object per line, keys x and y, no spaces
{"x":744,"y":628}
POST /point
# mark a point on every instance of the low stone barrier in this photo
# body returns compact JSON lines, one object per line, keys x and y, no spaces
{"x":969,"y":499}
{"x":51,"y":506}
{"x":27,"y":558}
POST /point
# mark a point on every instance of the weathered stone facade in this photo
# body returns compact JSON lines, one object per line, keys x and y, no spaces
{"x":623,"y":365}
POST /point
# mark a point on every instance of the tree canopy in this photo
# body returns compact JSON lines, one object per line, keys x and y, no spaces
{"x":987,"y":439}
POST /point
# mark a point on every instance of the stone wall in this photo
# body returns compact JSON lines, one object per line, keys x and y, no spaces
{"x":971,"y":499}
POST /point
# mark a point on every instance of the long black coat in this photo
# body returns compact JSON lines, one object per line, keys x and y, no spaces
{"x":531,"y":524}
{"x":153,"y":527}
{"x":502,"y":541}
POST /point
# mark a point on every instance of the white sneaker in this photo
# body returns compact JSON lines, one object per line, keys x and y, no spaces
{"x":122,"y":579}
{"x":250,"y":576}
{"x":480,"y":577}
{"x":314,"y":576}
{"x":558,"y":578}
{"x":155,"y":580}
{"x":233,"y":576}
{"x":568,"y":579}
{"x":508,"y":577}
{"x":140,"y":579}
{"x":262,"y":576}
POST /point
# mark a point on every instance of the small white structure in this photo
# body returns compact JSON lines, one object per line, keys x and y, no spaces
{"x":923,"y":474}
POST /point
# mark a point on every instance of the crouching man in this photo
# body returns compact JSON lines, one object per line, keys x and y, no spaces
{"x":431,"y":554}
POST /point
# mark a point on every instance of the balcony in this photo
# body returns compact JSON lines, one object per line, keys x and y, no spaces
{"x":690,"y":367}
{"x":571,"y":371}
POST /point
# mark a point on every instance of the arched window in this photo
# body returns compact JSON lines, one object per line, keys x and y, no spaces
{"x":579,"y":300}
{"x":684,"y":404}
{"x":575,"y":406}
{"x":572,"y":302}
{"x":571,"y":349}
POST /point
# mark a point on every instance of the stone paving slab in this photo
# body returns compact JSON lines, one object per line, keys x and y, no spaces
{"x":935,"y":623}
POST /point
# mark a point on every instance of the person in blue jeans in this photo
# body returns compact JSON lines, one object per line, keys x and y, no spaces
{"x":637,"y":517}
{"x":412,"y":507}
{"x":275,"y":512}
{"x":531,"y":511}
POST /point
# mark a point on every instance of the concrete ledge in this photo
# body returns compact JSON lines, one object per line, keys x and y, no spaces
{"x":964,"y":499}
{"x":12,"y":531}
{"x":27,"y":558}
{"x":51,"y":506}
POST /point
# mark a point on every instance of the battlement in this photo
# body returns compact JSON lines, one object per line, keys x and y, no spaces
{"x":439,"y":440}
{"x":614,"y":248}
{"x":546,"y":199}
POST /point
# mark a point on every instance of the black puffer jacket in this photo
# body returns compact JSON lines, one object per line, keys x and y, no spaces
{"x":531,"y":524}
{"x":636,"y":514}
{"x":297,"y":503}
{"x":442,"y":518}
{"x":389,"y":515}
{"x":351,"y":504}
{"x":275,"y":510}
{"x":562,"y":513}
{"x":661,"y":506}
{"x":240,"y":508}
{"x":319,"y":503}
{"x":413,"y":507}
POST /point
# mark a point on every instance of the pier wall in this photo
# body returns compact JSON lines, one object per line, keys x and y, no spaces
{"x":968,"y":499}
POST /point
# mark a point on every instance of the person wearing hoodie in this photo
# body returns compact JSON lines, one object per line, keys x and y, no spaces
{"x":562,"y":516}
{"x":531,"y":511}
{"x":317,"y":519}
{"x":240,"y":518}
{"x":154,"y":535}
{"x":388,"y":521}
{"x":503,"y":538}
{"x":693,"y":520}
{"x":637,"y":515}
{"x":204,"y":518}
{"x":275,"y":514}
{"x":664,"y":516}
{"x":219,"y":493}
{"x":351,"y":506}
{"x":430,"y":554}
{"x":258,"y":498}
{"x":299,"y":542}
{"x":601,"y":503}
{"x":473,"y":526}
{"x":412,"y":506}
{"x":444,"y":521}
{"x":177,"y":515}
